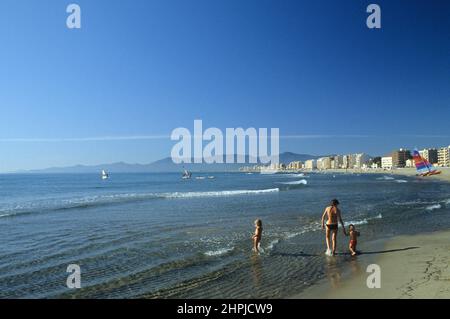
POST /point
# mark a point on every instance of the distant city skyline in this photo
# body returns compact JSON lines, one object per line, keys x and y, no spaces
{"x":437,"y":155}
{"x":116,"y":88}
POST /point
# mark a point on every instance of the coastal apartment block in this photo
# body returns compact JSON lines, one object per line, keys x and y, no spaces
{"x":337,"y":162}
{"x":324,"y":163}
{"x":430,"y":154}
{"x":361,"y":160}
{"x":310,"y":164}
{"x":297,"y":165}
{"x":386,"y":162}
{"x":399,"y":157}
{"x":444,"y":156}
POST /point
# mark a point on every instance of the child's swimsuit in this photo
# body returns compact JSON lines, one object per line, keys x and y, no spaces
{"x":353,"y":242}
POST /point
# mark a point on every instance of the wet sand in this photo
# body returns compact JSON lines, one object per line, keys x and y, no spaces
{"x":445,"y":172}
{"x":411,"y":267}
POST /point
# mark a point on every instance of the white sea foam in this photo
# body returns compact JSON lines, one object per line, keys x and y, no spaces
{"x":100,"y":200}
{"x":272,"y":244}
{"x":385,"y":178}
{"x":363,"y":221}
{"x":358,"y":222}
{"x":219,"y":193}
{"x":414,"y":202}
{"x":219,"y":252}
{"x":295,"y":234}
{"x":433,"y":207}
{"x":296,"y":175}
{"x":401,"y":181}
{"x":300,"y":182}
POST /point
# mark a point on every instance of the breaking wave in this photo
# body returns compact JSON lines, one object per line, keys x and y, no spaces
{"x":218,"y":193}
{"x":101,"y":200}
{"x":433,"y":207}
{"x":300,"y":182}
{"x":363,"y":221}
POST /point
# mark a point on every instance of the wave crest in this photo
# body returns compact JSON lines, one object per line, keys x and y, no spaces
{"x":433,"y":207}
{"x":363,"y":221}
{"x":300,"y":182}
{"x":101,"y":200}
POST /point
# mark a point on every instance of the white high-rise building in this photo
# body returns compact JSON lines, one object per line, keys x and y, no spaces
{"x":444,"y":156}
{"x":348,"y":161}
{"x":386,"y":162}
{"x":310,"y":164}
{"x":361,"y":160}
{"x":337,"y":162}
{"x":324,"y":163}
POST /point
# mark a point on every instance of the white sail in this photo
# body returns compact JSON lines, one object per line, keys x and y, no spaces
{"x":186,"y":174}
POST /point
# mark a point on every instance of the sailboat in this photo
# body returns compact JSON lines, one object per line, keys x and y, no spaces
{"x":104,"y":174}
{"x":424,"y":168}
{"x":186,"y":174}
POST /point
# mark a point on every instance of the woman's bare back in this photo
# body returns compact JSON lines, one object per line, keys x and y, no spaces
{"x":332,"y":215}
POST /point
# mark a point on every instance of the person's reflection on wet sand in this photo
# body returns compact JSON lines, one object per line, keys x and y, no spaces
{"x":355,"y":266}
{"x":333,"y":272}
{"x":256,"y":270}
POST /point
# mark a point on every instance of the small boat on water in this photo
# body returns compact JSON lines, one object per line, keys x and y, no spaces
{"x":186,"y":174}
{"x":423,"y":167}
{"x":104,"y":174}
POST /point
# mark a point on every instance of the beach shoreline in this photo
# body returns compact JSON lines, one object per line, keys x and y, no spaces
{"x":409,"y":172}
{"x":410,"y":266}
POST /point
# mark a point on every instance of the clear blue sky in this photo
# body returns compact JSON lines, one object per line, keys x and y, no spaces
{"x":143,"y":68}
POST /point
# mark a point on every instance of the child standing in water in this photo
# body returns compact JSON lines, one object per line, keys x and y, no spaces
{"x":353,"y":239}
{"x":257,"y":235}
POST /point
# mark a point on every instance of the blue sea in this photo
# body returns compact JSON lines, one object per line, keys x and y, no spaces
{"x":159,"y":236}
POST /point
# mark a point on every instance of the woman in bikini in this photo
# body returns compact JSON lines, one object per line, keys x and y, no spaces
{"x":333,"y":215}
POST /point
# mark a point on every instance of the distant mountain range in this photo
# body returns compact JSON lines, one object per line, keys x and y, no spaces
{"x":166,"y":165}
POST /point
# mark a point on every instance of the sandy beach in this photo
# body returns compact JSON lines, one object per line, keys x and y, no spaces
{"x":411,"y":267}
{"x":445,"y":172}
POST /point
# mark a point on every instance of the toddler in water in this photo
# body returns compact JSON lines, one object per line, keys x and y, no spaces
{"x":353,"y":233}
{"x":257,"y":235}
